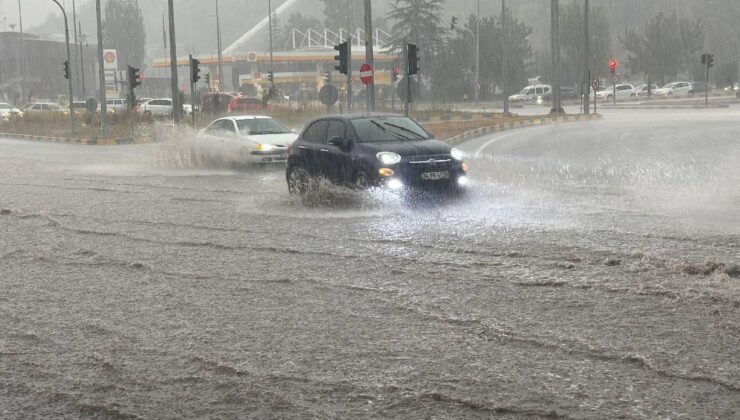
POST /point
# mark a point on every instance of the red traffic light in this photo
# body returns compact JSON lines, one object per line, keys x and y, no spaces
{"x":613,"y":64}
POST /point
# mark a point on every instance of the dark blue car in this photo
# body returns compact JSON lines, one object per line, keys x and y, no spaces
{"x":373,"y":150}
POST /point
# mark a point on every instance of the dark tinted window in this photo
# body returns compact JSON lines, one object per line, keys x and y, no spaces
{"x":336,"y":129}
{"x":316,"y":133}
{"x":256,"y":126}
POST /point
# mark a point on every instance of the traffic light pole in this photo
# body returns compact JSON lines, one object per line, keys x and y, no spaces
{"x":176,"y":105}
{"x":192,"y":90}
{"x":407,"y":104}
{"x":369,"y":54}
{"x":101,"y":74}
{"x":69,"y":78}
{"x":586,"y":56}
{"x":349,"y":58}
{"x":706,"y":86}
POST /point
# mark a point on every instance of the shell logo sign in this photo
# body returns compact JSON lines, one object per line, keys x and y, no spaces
{"x":110,"y":58}
{"x":252,"y":56}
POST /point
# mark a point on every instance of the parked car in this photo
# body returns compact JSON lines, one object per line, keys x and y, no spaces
{"x":39,"y":107}
{"x":623,"y":91}
{"x":698,"y":88}
{"x":245,"y":139}
{"x":161,"y":107}
{"x":674,"y":89}
{"x":243,"y":104}
{"x":530,"y":94}
{"x":566,"y":93}
{"x":8,"y":111}
{"x":211,"y":102}
{"x":373,"y":150}
{"x":642,"y":90}
{"x":115,"y":105}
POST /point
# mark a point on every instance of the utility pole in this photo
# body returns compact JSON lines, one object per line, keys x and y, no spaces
{"x":505,"y":58}
{"x":101,"y":74}
{"x":74,"y":24}
{"x":23,"y":73}
{"x":369,"y":54}
{"x":349,"y":58}
{"x":555,"y":38}
{"x":220,"y":53}
{"x":272,"y":63}
{"x":476,"y":88}
{"x":176,"y":105}
{"x":82,"y":62}
{"x":69,"y":64}
{"x":586,"y":56}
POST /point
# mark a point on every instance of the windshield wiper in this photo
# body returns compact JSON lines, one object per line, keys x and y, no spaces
{"x":405,"y":129}
{"x":398,"y":135}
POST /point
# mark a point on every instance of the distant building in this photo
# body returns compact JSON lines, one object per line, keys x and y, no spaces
{"x":42,"y":74}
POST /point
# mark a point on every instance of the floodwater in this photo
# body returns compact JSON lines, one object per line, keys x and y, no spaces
{"x":590,"y":272}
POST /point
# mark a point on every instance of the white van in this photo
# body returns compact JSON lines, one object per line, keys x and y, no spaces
{"x":530,"y":94}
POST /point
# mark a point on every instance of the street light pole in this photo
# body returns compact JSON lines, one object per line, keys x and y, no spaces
{"x":586,"y":55}
{"x":272,"y":63}
{"x":476,"y":88}
{"x":101,"y":73}
{"x":504,"y":58}
{"x":555,"y":40}
{"x":74,"y":26}
{"x":349,"y":58}
{"x":22,"y":57}
{"x":69,"y":63}
{"x":176,"y":105}
{"x":82,"y":62}
{"x":475,"y":53}
{"x":220,"y":54}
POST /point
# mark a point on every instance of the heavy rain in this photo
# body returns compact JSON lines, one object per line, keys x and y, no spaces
{"x":495,"y":209}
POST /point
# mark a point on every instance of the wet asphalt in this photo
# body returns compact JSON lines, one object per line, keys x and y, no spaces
{"x":590,"y":271}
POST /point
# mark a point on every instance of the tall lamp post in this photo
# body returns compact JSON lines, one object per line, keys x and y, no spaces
{"x":69,"y":63}
{"x":220,"y":55}
{"x":22,"y":57}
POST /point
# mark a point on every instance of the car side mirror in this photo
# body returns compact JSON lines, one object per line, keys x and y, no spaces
{"x":340,"y":142}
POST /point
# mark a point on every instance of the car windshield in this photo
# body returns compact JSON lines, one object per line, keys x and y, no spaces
{"x":258,"y":126}
{"x":385,"y":129}
{"x":524,"y":91}
{"x":669,"y":86}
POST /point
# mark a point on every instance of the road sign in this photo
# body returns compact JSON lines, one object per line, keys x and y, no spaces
{"x":615,"y":78}
{"x":328,"y":95}
{"x":366,"y":74}
{"x":595,"y":83}
{"x":477,"y":86}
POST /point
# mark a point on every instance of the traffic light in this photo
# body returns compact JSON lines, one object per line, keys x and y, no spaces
{"x":704,"y":58}
{"x":710,"y":60}
{"x":613,"y":65}
{"x":413,"y":59}
{"x":271,"y":76}
{"x":208,"y":79}
{"x":194,"y":70}
{"x":394,"y":74}
{"x":343,"y":57}
{"x":66,"y":70}
{"x":453,"y":24}
{"x":327,"y":76}
{"x":134,"y":79}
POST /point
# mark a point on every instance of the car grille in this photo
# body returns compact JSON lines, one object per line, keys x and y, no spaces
{"x":415,"y":166}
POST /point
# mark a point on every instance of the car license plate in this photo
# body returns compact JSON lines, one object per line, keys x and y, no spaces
{"x":435,"y":175}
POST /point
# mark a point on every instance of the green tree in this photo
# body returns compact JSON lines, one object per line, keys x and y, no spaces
{"x":667,"y":47}
{"x":418,"y":22}
{"x":123,"y":30}
{"x":571,"y":42}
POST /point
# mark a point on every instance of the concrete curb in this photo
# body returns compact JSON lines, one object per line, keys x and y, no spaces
{"x":462,"y":117}
{"x":524,"y":122}
{"x":717,"y":106}
{"x":85,"y":142}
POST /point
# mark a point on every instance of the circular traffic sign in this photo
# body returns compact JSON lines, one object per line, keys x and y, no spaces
{"x":366,"y":73}
{"x":615,"y":78}
{"x":477,"y":86}
{"x":595,"y":83}
{"x":328,"y":95}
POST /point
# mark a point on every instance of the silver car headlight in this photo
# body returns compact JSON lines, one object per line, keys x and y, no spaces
{"x":456,"y":154}
{"x":388,"y":158}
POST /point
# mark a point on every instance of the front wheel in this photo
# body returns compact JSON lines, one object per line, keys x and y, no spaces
{"x":297,"y":180}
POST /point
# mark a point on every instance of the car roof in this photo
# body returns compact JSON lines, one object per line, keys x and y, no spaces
{"x":245,"y":117}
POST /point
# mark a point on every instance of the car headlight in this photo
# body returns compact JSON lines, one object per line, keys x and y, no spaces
{"x":388,"y":158}
{"x":456,"y":154}
{"x":264,"y":147}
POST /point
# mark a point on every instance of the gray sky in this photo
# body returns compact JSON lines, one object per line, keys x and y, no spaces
{"x":34,"y":11}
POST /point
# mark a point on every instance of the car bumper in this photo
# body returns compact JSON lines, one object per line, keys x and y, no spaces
{"x":272,"y":156}
{"x":439,"y":177}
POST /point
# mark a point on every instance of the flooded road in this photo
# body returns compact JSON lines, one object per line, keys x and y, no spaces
{"x":590,"y":272}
